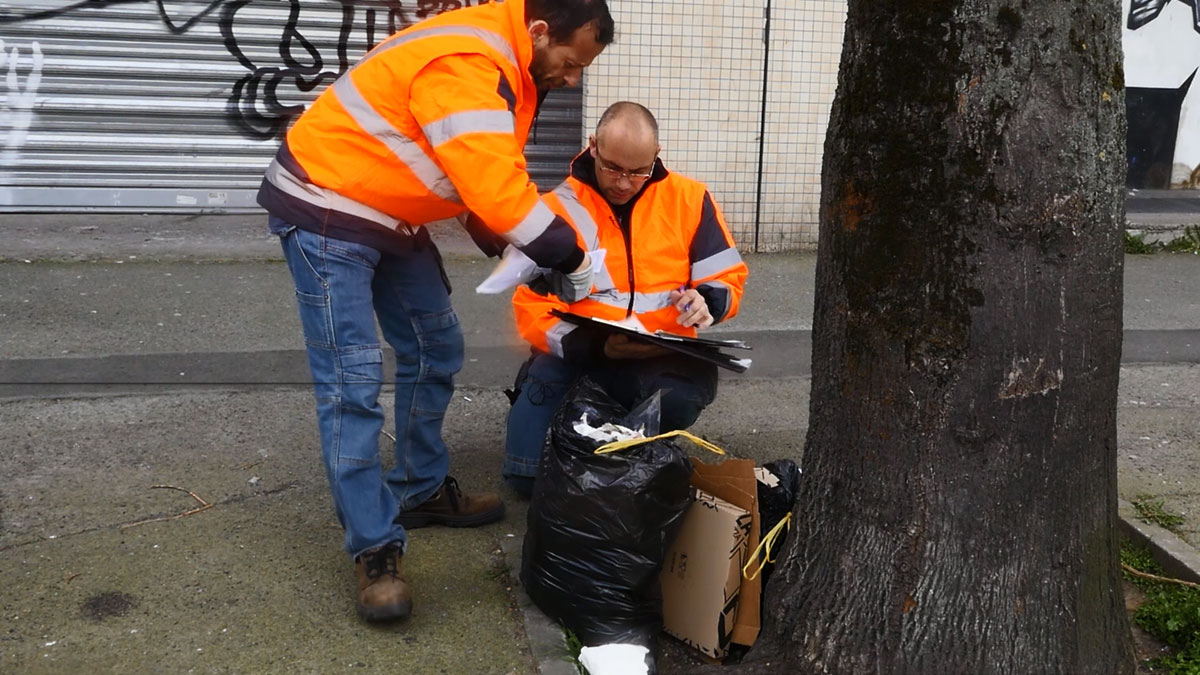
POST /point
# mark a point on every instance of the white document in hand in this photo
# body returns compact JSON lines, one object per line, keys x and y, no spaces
{"x":516,"y":268}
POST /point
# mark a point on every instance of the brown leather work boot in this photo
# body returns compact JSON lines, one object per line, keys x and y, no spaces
{"x":383,"y":592}
{"x":450,"y":506}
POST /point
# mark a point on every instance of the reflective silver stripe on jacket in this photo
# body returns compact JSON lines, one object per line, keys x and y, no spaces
{"x":587,"y":228}
{"x":555,"y":335}
{"x":469,"y":122}
{"x":716,"y":263}
{"x":408,"y":152}
{"x":404,"y":148}
{"x":642,"y":302}
{"x":328,"y":199}
{"x":492,"y":39}
{"x":583,"y":219}
{"x":531,"y":226}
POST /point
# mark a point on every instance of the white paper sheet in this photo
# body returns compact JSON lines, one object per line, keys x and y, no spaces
{"x":607,"y":432}
{"x":516,"y":268}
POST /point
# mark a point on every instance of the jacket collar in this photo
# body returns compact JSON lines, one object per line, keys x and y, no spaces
{"x":583,"y":169}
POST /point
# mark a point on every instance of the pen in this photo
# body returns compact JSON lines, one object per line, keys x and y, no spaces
{"x":688,"y":306}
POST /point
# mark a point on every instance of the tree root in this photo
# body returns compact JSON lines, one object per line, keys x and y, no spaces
{"x":1155,"y":577}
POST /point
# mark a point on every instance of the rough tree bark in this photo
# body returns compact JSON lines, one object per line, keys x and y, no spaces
{"x":958,"y":505}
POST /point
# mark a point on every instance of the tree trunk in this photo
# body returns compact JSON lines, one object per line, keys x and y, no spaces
{"x":958,"y":504}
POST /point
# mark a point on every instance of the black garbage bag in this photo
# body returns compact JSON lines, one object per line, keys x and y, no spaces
{"x":776,"y":502}
{"x":599,"y":525}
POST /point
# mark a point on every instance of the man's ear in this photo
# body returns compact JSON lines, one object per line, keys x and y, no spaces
{"x":538,"y":29}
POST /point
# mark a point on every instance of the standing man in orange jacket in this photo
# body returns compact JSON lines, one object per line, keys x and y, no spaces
{"x":430,"y":124}
{"x":671,"y":265}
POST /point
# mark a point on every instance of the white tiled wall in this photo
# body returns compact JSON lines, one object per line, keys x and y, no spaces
{"x":699,"y":67}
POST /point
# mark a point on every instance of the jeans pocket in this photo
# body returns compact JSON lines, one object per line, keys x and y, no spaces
{"x":441,"y":340}
{"x":315,"y":319}
{"x":301,"y":249}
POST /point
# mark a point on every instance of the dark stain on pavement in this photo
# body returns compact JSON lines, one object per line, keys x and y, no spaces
{"x":105,"y":605}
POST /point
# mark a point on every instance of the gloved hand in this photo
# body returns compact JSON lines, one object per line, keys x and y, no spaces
{"x":574,"y":286}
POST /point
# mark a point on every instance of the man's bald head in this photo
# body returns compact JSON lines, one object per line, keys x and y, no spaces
{"x":628,"y":118}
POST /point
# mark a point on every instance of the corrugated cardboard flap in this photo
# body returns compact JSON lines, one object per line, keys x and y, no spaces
{"x":733,"y":480}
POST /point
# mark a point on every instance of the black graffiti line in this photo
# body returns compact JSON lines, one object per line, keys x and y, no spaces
{"x":102,"y":4}
{"x":290,"y":33}
{"x":12,"y":17}
{"x":344,"y":36}
{"x":260,"y":85}
{"x":187,"y":25}
{"x":1142,"y":12}
{"x":254,"y":105}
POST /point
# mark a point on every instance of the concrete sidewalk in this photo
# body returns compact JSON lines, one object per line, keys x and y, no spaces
{"x":153,"y":351}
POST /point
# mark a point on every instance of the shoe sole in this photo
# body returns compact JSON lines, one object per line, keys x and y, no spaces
{"x":413,"y":521}
{"x":395,"y":612}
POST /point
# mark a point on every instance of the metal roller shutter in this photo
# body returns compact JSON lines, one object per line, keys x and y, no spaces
{"x":178,"y":105}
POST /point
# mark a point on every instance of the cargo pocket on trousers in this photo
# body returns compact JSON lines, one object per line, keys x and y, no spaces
{"x":441,"y":342}
{"x":361,"y":364}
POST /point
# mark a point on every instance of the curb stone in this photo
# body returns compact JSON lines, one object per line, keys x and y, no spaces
{"x":546,"y":639}
{"x":1178,"y":558}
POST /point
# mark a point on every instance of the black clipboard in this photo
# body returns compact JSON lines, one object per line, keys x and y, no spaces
{"x":705,"y":349}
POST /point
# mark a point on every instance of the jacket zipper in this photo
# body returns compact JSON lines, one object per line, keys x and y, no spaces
{"x":627,"y":233}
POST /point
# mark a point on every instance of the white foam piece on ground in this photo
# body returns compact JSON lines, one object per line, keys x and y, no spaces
{"x":615,"y":659}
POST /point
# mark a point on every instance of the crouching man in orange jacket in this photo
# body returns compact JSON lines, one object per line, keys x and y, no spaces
{"x":430,"y":124}
{"x":671,"y":264}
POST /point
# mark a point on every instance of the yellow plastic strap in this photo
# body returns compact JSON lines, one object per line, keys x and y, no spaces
{"x":621,"y":445}
{"x":765,"y":548}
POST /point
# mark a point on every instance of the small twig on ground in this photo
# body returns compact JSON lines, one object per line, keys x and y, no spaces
{"x":203,"y":506}
{"x":385,"y":433}
{"x":250,"y":465}
{"x":1155,"y":577}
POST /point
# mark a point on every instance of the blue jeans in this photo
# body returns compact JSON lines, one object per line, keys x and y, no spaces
{"x":342,"y":288}
{"x":688,"y":385}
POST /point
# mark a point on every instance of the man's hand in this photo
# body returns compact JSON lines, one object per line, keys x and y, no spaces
{"x":619,"y":346}
{"x":693,"y":310}
{"x":576,"y":285}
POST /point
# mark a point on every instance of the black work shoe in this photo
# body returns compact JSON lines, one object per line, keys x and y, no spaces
{"x":452,"y":507}
{"x":383,"y":592}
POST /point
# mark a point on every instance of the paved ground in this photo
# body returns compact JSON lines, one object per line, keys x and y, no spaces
{"x":1185,"y":203}
{"x":145,"y":351}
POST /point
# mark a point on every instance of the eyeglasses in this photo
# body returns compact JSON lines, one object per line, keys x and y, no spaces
{"x":633,"y":176}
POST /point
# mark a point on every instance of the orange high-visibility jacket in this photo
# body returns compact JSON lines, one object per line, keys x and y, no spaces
{"x":429,"y":124}
{"x":676,"y":238}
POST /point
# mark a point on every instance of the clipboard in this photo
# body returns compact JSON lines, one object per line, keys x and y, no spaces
{"x":705,"y":349}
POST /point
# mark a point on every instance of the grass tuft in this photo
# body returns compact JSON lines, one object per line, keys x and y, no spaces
{"x":574,"y":647}
{"x":1188,"y":242}
{"x":1171,"y":613}
{"x":1152,"y":510}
